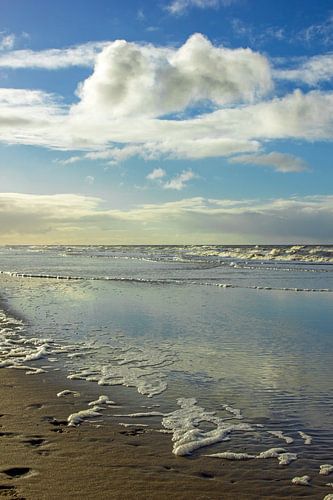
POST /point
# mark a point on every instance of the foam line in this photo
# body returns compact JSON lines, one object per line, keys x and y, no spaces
{"x":230,"y":455}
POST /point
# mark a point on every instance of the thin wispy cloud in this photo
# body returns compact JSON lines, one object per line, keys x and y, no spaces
{"x":319,"y":32}
{"x":179,"y":7}
{"x":281,"y":162}
{"x":180,"y":181}
{"x":89,"y":179}
{"x":155,"y":174}
{"x":52,"y":59}
{"x":311,"y":71}
{"x":256,"y":35}
{"x":7,"y":41}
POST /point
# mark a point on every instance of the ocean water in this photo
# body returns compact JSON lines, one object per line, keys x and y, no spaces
{"x":229,"y":348}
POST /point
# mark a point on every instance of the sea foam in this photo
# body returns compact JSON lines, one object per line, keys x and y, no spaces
{"x":301,"y":480}
{"x":185,"y":425}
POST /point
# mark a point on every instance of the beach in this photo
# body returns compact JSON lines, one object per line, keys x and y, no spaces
{"x":104,"y":460}
{"x":131,"y":373}
{"x":166,"y":250}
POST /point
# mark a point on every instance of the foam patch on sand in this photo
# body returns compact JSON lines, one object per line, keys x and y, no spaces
{"x":187,"y":434}
{"x":142,"y":414}
{"x":124,"y":424}
{"x":144,"y":368}
{"x":77,"y":418}
{"x":16,"y":350}
{"x":102,"y":400}
{"x":94,"y":411}
{"x":286,"y":458}
{"x":306,"y":438}
{"x":279,"y":434}
{"x":326,"y":469}
{"x":230,"y":455}
{"x":67,"y":392}
{"x":283,"y":457}
{"x":301,"y":480}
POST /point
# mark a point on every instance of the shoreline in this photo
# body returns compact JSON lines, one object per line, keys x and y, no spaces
{"x":105,"y":460}
{"x":43,"y":458}
{"x":91,"y":461}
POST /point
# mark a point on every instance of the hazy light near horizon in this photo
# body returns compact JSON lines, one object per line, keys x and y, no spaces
{"x":79,"y":219}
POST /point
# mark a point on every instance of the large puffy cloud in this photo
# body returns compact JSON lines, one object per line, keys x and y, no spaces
{"x":126,"y":106}
{"x":131,"y":79}
{"x":81,"y":219}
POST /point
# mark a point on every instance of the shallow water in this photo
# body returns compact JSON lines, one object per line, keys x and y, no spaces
{"x":253,"y":333}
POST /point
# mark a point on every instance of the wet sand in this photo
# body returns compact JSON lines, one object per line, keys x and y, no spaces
{"x":42,"y":458}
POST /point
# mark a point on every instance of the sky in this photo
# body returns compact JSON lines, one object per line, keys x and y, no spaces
{"x":166,"y":122}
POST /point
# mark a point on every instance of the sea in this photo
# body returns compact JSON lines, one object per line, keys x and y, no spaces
{"x":229,"y":349}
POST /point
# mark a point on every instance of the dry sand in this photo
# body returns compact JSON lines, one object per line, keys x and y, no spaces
{"x":42,"y":458}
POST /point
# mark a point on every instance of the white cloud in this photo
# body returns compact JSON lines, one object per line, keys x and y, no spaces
{"x":51,"y":59}
{"x":257,"y":35}
{"x":57,"y":206}
{"x":89,"y":179}
{"x":180,"y":6}
{"x":321,"y":32}
{"x":295,"y":219}
{"x":81,"y":219}
{"x":302,"y":115}
{"x":70,"y":160}
{"x":7,"y":41}
{"x":30,"y":117}
{"x":313,"y":71}
{"x":142,"y":80}
{"x":157,"y":173}
{"x":179,"y":181}
{"x":116,"y":154}
{"x":174,"y":148}
{"x":219,"y":133}
{"x":120,"y":114}
{"x":281,"y":162}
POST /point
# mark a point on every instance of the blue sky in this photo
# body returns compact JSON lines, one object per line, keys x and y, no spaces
{"x":174,"y":121}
